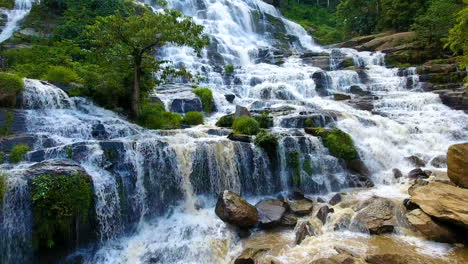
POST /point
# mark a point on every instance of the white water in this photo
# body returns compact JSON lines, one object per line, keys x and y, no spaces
{"x":15,"y":16}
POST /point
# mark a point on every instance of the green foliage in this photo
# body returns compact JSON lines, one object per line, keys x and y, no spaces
{"x":457,"y":39}
{"x":69,"y":152}
{"x":399,"y":15}
{"x":293,"y":161}
{"x":17,"y":153}
{"x":264,"y":119}
{"x":6,"y":126}
{"x":359,"y":17}
{"x":2,"y":157}
{"x":61,"y":74}
{"x":10,"y":86}
{"x":193,"y":118}
{"x":229,"y":69}
{"x":225,"y":121}
{"x":8,"y":4}
{"x":307,"y":167}
{"x":58,"y":203}
{"x":206,"y":97}
{"x":434,"y":25}
{"x":246,"y":126}
{"x":3,"y":186}
{"x":319,"y":21}
{"x":338,"y":143}
{"x":309,"y":123}
{"x":154,"y":116}
{"x":267,"y":141}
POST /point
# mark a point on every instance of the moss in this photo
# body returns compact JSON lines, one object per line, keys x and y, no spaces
{"x":154,"y":116}
{"x":193,"y":118}
{"x":110,"y":155}
{"x":17,"y":153}
{"x":307,"y":167}
{"x":69,"y":152}
{"x":246,"y":126}
{"x":10,"y":86}
{"x":309,"y":123}
{"x":8,"y":4}
{"x":3,"y":186}
{"x":268,"y":142}
{"x":225,"y":121}
{"x":2,"y":157}
{"x":59,"y":203}
{"x":206,"y":97}
{"x":264,"y":119}
{"x":338,"y":143}
{"x":228,"y":69}
{"x":348,"y":63}
{"x":293,"y":162}
{"x":6,"y":126}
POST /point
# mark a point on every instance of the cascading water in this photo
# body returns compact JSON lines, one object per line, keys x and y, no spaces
{"x":18,"y":13}
{"x":155,"y":190}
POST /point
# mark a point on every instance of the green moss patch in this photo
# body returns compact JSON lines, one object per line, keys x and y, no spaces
{"x":6,"y":126}
{"x":246,"y":126}
{"x":206,"y":97}
{"x":10,"y":86}
{"x":193,"y":118}
{"x":338,"y":143}
{"x":225,"y":121}
{"x":59,"y":204}
{"x":154,"y":116}
{"x":267,"y":141}
{"x":293,"y":161}
{"x":17,"y":153}
{"x":264,"y":119}
{"x":8,"y":4}
{"x":3,"y":186}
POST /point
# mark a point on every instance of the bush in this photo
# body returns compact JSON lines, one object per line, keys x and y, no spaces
{"x":18,"y":152}
{"x":154,"y":116}
{"x":8,"y":4}
{"x":309,"y":123}
{"x":58,"y":203}
{"x":61,"y":74}
{"x":229,"y":69}
{"x":206,"y":97}
{"x":338,"y":143}
{"x":246,"y":125}
{"x":293,"y":162}
{"x":193,"y":118}
{"x":225,"y":121}
{"x":267,"y":141}
{"x":264,"y":120}
{"x":6,"y":126}
{"x":307,"y":167}
{"x":10,"y":86}
{"x":3,"y":186}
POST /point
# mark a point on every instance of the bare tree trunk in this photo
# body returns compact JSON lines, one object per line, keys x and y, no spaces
{"x":136,"y":88}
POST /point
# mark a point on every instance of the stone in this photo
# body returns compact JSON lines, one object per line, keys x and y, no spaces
{"x":322,"y":83}
{"x":8,"y":142}
{"x":365,"y":103}
{"x":241,"y":138}
{"x":397,"y":173}
{"x":343,"y":222}
{"x":336,"y":199}
{"x":429,"y":228}
{"x":301,"y":207}
{"x":323,"y":212}
{"x":457,"y":164}
{"x":322,"y":62}
{"x":456,"y":99}
{"x":230,"y":97}
{"x":341,"y":96}
{"x":409,"y":205}
{"x":233,"y":209}
{"x":270,"y":213}
{"x":377,"y":216}
{"x":391,"y":259}
{"x":356,"y":89}
{"x":416,"y":161}
{"x":249,"y":255}
{"x":288,"y":220}
{"x":442,"y":201}
{"x":341,"y":258}
{"x":185,"y":105}
{"x":99,"y":131}
{"x":439,"y":161}
{"x":55,"y":167}
{"x":417,"y":174}
{"x":241,"y":111}
{"x":304,"y":230}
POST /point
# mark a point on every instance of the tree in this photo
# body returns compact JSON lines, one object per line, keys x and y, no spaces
{"x":359,"y":17}
{"x":457,"y":40}
{"x":400,"y":14}
{"x":135,"y":39}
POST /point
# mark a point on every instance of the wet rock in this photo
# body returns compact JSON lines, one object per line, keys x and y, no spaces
{"x":304,"y":230}
{"x":322,"y":83}
{"x":397,"y":173}
{"x":356,"y":89}
{"x":377,"y":216}
{"x":357,"y":166}
{"x":409,"y":205}
{"x":322,"y":62}
{"x":456,"y":99}
{"x":319,"y":120}
{"x":183,"y":105}
{"x":301,"y":207}
{"x":417,"y":174}
{"x":8,"y":142}
{"x":416,"y":161}
{"x":341,"y":96}
{"x":255,"y":81}
{"x":457,"y":164}
{"x":250,"y":255}
{"x":320,"y":200}
{"x":99,"y":131}
{"x":296,"y":194}
{"x":233,"y":209}
{"x":241,"y":111}
{"x":391,"y":259}
{"x":230,"y":97}
{"x":337,"y":259}
{"x":439,"y":161}
{"x":13,"y":121}
{"x":288,"y":220}
{"x":241,"y":138}
{"x":56,"y":167}
{"x":364,"y":103}
{"x":323,"y":212}
{"x":343,"y":222}
{"x":429,"y":228}
{"x":270,"y":213}
{"x":442,"y":201}
{"x":336,"y":199}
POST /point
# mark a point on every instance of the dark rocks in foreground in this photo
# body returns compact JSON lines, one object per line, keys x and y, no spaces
{"x":233,"y":209}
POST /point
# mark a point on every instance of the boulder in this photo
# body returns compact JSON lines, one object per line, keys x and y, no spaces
{"x":342,"y":222}
{"x":457,"y":164}
{"x":429,"y":228}
{"x":8,"y":142}
{"x":409,"y":205}
{"x":250,"y":255}
{"x":241,"y":138}
{"x":442,"y":201}
{"x":303,"y":230}
{"x":323,"y":212}
{"x":397,"y":173}
{"x":418,"y":174}
{"x":377,"y":216}
{"x":185,"y":105}
{"x":270,"y":212}
{"x":391,"y":259}
{"x":341,"y":96}
{"x":356,"y":89}
{"x":336,"y":199}
{"x":288,"y":220}
{"x":365,"y":103}
{"x":322,"y":83}
{"x":301,"y":207}
{"x":99,"y":131}
{"x":416,"y":161}
{"x":337,"y":259}
{"x":322,"y":62}
{"x":241,"y":111}
{"x":456,"y":99}
{"x":55,"y":167}
{"x":230,"y":97}
{"x":439,"y":161}
{"x":233,"y":209}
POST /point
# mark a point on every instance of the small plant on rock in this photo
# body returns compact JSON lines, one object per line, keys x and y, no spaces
{"x":264,"y":119}
{"x":18,"y":152}
{"x":246,"y":126}
{"x":193,"y":118}
{"x":267,"y":141}
{"x":225,"y":121}
{"x":3,"y":186}
{"x":228,"y":69}
{"x":206,"y":97}
{"x":10,"y":86}
{"x":293,"y":161}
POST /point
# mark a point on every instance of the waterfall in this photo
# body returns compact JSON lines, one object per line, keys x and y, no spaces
{"x":18,"y":13}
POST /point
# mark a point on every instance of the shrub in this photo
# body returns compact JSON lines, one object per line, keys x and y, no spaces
{"x":337,"y":142}
{"x":18,"y":152}
{"x":307,"y":167}
{"x":2,"y":157}
{"x":267,"y":141}
{"x":293,"y":162}
{"x":193,"y":118}
{"x":6,"y":126}
{"x":60,"y":74}
{"x":206,"y":97}
{"x":10,"y":86}
{"x":153,"y":116}
{"x":59,"y":202}
{"x":245,"y":125}
{"x":229,"y":69}
{"x":264,"y":119}
{"x":8,"y":4}
{"x":225,"y":121}
{"x":309,"y":123}
{"x":3,"y":186}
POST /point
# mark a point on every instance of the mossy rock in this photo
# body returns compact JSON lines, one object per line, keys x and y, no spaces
{"x":338,"y":143}
{"x":10,"y":86}
{"x":268,"y":142}
{"x":225,"y":121}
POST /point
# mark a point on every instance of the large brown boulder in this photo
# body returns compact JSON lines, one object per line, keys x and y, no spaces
{"x":233,"y":209}
{"x":442,"y":201}
{"x":391,"y":259}
{"x":457,"y":163}
{"x":377,"y":216}
{"x":301,"y":207}
{"x":250,"y":255}
{"x":429,"y":228}
{"x":304,"y":230}
{"x":270,"y":212}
